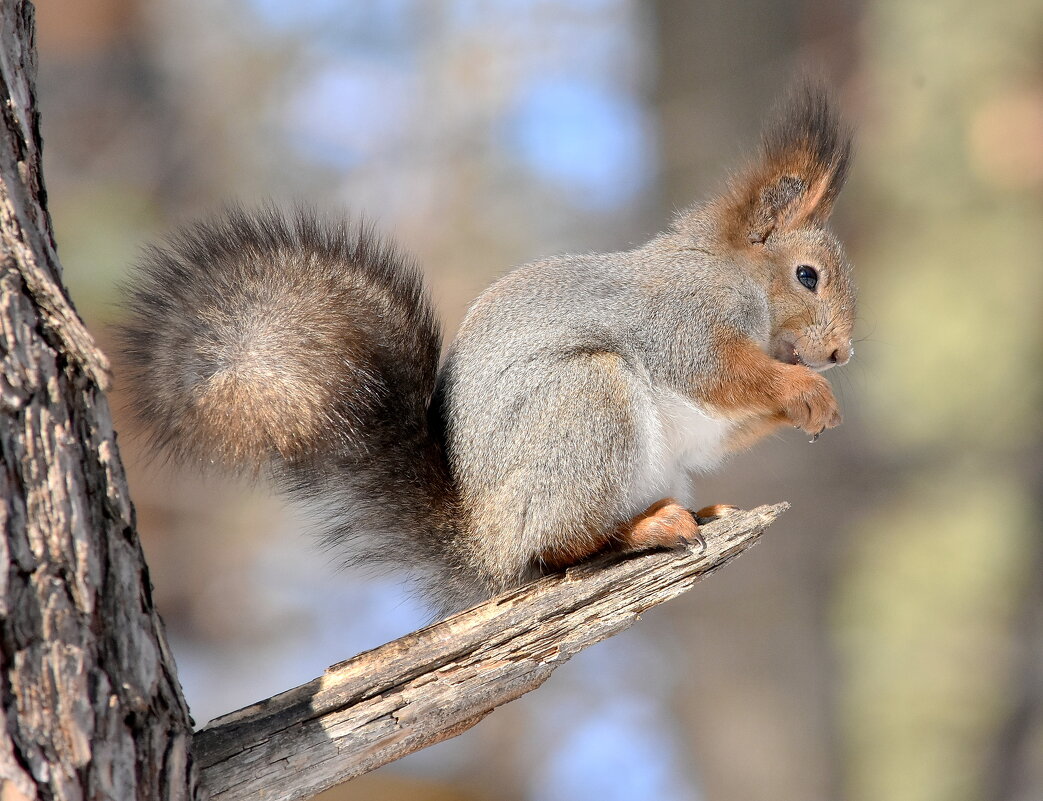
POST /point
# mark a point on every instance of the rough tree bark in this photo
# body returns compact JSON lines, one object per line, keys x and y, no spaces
{"x":90,"y":702}
{"x":90,"y":705}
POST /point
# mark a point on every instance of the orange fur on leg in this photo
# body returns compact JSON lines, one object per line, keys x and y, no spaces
{"x":665,"y":524}
{"x":708,"y":513}
{"x":751,"y":384}
{"x":748,"y":432}
{"x":561,"y":558}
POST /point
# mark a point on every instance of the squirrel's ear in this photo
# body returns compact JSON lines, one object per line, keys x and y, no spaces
{"x":803,"y":164}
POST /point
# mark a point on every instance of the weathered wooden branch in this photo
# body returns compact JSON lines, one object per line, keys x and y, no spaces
{"x":438,"y":682}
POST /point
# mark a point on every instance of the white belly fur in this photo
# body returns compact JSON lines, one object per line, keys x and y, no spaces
{"x":679,"y":438}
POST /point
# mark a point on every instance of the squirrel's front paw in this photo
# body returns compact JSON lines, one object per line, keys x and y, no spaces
{"x":809,"y":403}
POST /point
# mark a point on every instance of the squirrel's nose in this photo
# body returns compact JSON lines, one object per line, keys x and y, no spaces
{"x":842,"y":355}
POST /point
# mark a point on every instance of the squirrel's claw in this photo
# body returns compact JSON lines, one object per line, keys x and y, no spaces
{"x":693,"y":540}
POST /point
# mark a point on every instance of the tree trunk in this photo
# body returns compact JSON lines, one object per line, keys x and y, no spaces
{"x":91,"y":703}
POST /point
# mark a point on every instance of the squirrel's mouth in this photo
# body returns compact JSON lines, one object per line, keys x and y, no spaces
{"x":787,"y":353}
{"x":792,"y":357}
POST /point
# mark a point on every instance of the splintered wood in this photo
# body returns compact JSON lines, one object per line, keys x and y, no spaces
{"x":438,"y":682}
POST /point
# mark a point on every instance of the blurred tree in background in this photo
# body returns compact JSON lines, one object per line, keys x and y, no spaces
{"x":885,"y":642}
{"x":937,"y":614}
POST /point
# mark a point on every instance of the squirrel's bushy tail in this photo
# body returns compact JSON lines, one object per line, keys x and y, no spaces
{"x":262,"y":341}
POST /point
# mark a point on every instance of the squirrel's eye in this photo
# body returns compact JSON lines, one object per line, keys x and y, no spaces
{"x":807,"y":276}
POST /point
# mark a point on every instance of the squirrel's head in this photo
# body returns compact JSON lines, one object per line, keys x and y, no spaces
{"x":772,"y":222}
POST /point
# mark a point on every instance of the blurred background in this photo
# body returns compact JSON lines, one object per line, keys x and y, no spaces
{"x":885,"y":641}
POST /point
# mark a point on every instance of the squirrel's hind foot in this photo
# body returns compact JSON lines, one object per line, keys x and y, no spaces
{"x":708,"y":513}
{"x":664,"y":524}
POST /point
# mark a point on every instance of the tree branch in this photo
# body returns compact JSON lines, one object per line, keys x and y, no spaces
{"x":438,"y":682}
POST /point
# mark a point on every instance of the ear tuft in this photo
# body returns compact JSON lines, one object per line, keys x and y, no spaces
{"x":802,"y":168}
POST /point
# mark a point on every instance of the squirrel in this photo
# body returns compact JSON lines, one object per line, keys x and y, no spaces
{"x":568,"y":416}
